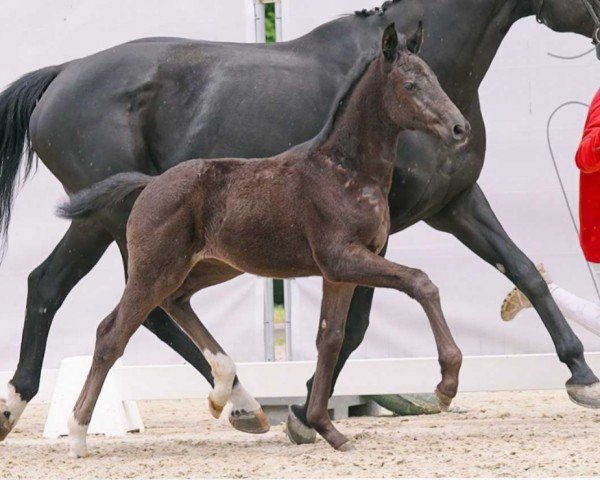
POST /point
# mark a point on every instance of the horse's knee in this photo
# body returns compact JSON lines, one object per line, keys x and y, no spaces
{"x":422,"y":288}
{"x":529,"y":280}
{"x":109,"y":346}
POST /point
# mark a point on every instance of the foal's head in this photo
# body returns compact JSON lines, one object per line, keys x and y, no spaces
{"x":413,"y":97}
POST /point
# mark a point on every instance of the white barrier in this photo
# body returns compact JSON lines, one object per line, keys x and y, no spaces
{"x":112,"y":416}
{"x":360,"y":377}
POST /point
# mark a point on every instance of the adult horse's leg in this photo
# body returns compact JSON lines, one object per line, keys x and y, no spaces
{"x":49,"y":284}
{"x":471,"y":220}
{"x":330,"y":336}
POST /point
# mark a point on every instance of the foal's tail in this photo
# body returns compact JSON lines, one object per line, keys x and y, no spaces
{"x":17,"y":103}
{"x":105,"y":194}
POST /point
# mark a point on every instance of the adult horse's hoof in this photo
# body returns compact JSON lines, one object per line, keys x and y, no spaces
{"x":585,"y":395}
{"x":297,"y":432}
{"x":444,"y":400}
{"x":249,"y":422}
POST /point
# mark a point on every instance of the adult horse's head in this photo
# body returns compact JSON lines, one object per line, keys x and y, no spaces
{"x":413,"y":97}
{"x":578,"y":16}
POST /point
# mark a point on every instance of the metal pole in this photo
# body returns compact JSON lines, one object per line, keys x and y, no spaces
{"x":259,"y":21}
{"x":278,"y":23}
{"x":287,"y":303}
{"x":269,"y":323}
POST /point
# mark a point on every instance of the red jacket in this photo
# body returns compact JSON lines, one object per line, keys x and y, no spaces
{"x":588,"y":161}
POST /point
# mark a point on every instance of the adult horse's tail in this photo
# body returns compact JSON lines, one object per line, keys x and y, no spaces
{"x":105,"y":194}
{"x":16,"y":106}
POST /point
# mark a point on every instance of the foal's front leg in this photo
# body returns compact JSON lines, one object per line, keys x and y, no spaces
{"x":360,"y":266}
{"x":330,"y":336}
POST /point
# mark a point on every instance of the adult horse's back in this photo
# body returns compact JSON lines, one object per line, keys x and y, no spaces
{"x":125,"y":108}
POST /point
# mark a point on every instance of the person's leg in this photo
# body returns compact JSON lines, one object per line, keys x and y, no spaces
{"x":574,"y":308}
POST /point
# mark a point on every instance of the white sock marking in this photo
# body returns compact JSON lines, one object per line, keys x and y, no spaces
{"x":14,"y":405}
{"x":242,"y":400}
{"x":223,"y":370}
{"x":77,"y":438}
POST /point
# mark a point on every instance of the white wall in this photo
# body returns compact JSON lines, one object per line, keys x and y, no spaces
{"x":37,"y":33}
{"x":522,"y":89}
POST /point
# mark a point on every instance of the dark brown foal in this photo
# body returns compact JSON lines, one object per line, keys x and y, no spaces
{"x":318,"y":209}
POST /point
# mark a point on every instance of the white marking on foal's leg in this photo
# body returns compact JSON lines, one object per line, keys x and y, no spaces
{"x":77,"y":438}
{"x":11,"y":410}
{"x":242,"y":401}
{"x":223,"y":370}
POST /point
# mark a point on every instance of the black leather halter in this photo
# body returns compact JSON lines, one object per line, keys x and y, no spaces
{"x":589,"y":4}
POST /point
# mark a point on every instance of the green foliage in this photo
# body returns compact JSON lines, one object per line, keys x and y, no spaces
{"x":270,"y":22}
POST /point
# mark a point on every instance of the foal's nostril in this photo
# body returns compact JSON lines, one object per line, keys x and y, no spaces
{"x":460,"y":131}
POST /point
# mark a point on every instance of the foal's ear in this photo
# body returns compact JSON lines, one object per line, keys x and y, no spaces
{"x":415,"y":41}
{"x":389,"y":44}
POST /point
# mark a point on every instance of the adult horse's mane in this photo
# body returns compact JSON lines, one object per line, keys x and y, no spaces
{"x":338,"y":106}
{"x":377,"y":10}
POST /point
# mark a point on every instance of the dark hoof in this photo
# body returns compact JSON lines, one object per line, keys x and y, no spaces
{"x":346,"y":447}
{"x":585,"y":395}
{"x":249,"y":422}
{"x":297,"y":432}
{"x":444,"y":400}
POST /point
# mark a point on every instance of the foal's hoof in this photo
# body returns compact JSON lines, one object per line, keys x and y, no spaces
{"x":78,"y":451}
{"x":444,"y":400}
{"x":215,"y":409}
{"x":6,"y":420}
{"x":249,"y":422}
{"x":585,"y":395}
{"x":297,"y":432}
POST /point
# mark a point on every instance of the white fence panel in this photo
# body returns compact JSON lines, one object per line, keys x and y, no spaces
{"x":37,"y":33}
{"x":522,"y":89}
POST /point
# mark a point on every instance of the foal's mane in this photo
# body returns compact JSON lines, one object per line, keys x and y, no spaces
{"x":354,"y":76}
{"x":377,"y":10}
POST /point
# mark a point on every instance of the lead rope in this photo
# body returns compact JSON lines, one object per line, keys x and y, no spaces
{"x":562,"y":187}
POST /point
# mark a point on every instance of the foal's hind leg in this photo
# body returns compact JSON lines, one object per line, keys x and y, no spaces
{"x":49,"y":284}
{"x":246,"y":413}
{"x":360,"y":266}
{"x":139,"y":299}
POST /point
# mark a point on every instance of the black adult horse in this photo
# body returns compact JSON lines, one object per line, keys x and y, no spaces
{"x":150,"y":104}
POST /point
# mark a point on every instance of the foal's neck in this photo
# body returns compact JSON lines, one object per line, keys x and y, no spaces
{"x":364,"y":139}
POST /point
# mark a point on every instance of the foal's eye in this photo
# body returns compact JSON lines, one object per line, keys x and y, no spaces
{"x":409,"y":86}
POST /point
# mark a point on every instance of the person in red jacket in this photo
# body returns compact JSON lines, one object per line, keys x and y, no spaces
{"x":587,"y":159}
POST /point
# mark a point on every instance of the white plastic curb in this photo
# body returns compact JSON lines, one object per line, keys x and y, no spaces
{"x":112,"y":416}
